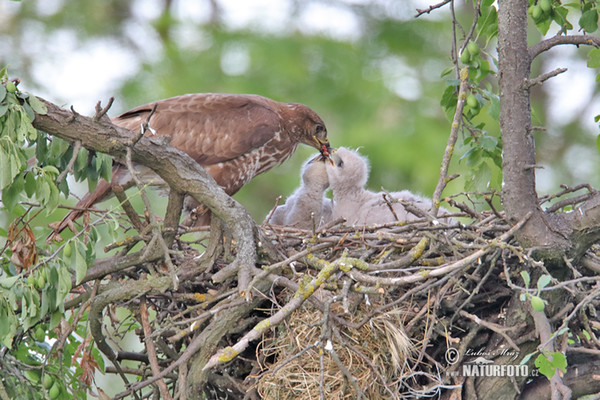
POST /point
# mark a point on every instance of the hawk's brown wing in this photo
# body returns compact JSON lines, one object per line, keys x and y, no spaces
{"x":211,"y":128}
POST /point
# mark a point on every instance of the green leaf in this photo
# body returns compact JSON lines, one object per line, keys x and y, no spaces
{"x":594,"y":58}
{"x":526,"y":278}
{"x":37,"y":105}
{"x":78,"y":261}
{"x":537,"y":303}
{"x":3,"y":109}
{"x":81,"y":161}
{"x":560,"y":17}
{"x":548,"y":362}
{"x":30,"y":184}
{"x":51,"y":170}
{"x":544,"y":25}
{"x":480,"y":179}
{"x":8,"y":282}
{"x":589,"y":20}
{"x":543,"y":281}
{"x":2,"y":92}
{"x":12,"y":193}
{"x":488,"y":142}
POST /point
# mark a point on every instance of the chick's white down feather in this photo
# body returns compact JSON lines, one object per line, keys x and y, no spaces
{"x":308,"y":203}
{"x":359,"y":206}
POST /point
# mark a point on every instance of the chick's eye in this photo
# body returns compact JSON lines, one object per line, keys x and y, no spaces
{"x":340,"y":163}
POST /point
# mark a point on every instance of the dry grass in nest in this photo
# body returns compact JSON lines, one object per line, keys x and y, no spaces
{"x":304,"y":365}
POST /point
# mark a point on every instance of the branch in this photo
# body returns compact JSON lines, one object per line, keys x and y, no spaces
{"x":431,"y":8}
{"x":543,"y":77}
{"x":547,"y":44}
{"x":162,"y":386}
{"x":443,"y":180}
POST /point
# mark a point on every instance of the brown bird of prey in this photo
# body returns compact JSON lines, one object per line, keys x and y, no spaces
{"x":233,"y":136}
{"x":308,"y":203}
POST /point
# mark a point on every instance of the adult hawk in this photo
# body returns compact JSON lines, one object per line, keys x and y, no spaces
{"x":233,"y":136}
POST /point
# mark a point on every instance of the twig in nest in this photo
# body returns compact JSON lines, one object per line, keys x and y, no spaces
{"x":387,"y":201}
{"x":493,"y":208}
{"x":164,"y":391}
{"x":464,"y":208}
{"x":277,"y":200}
{"x":153,"y":222}
{"x":493,"y":327}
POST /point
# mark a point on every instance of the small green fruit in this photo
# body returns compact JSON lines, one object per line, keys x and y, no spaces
{"x":68,"y":250}
{"x":48,"y":381}
{"x":537,"y":12}
{"x":10,"y":87}
{"x":54,"y":391}
{"x":546,"y":6}
{"x":537,"y":303}
{"x":473,"y":48}
{"x":465,"y":56}
{"x":472,"y":101}
{"x":40,"y":282}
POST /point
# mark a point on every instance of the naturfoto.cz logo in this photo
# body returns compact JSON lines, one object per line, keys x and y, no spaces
{"x":481,"y":366}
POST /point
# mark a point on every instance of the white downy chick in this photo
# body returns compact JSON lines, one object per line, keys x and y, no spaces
{"x":308,"y":203}
{"x":359,"y":206}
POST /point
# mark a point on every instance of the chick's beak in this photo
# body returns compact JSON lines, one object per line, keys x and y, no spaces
{"x":335,"y":158}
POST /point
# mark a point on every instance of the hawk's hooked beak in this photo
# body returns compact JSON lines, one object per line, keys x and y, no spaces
{"x":324,"y":147}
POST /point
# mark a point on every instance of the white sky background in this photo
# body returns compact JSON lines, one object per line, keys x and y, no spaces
{"x":84,"y":72}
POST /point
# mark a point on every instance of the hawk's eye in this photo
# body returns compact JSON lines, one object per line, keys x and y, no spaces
{"x":319,"y":129}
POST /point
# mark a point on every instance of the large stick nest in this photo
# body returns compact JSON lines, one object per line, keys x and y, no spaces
{"x":351,"y":312}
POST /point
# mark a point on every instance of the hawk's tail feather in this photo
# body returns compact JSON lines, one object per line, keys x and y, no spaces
{"x":103,"y":189}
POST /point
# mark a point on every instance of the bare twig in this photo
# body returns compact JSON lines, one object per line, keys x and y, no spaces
{"x":101,"y":112}
{"x":543,"y":77}
{"x":69,"y":168}
{"x":431,"y":8}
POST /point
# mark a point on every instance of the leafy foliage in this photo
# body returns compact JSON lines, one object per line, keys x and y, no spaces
{"x":35,"y":284}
